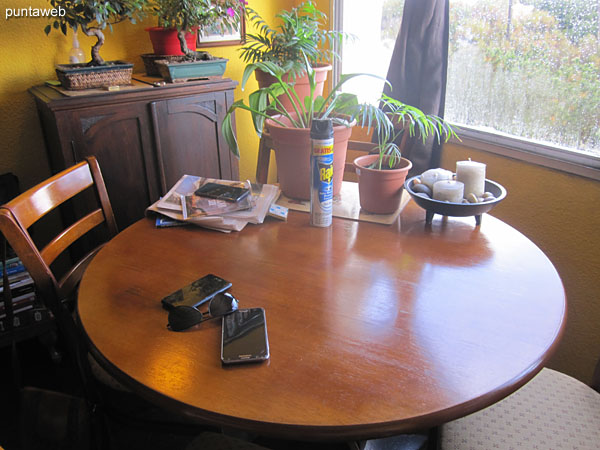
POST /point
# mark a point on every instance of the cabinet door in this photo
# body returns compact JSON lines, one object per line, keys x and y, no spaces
{"x":119,"y":137}
{"x":189,"y":140}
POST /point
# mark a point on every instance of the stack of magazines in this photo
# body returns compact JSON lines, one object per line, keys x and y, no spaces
{"x":187,"y":202}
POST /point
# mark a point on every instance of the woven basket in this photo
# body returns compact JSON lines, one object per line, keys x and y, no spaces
{"x":78,"y":76}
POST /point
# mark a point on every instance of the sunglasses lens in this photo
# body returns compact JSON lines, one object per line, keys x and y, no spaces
{"x":222,"y":304}
{"x":183,"y":317}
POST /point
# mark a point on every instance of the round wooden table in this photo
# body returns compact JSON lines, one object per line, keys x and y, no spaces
{"x":374,"y":330}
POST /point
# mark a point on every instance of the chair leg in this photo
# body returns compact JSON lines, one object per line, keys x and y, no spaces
{"x":262,"y":165}
{"x":48,"y":340}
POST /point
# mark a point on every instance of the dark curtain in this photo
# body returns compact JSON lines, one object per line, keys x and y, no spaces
{"x":418,"y":69}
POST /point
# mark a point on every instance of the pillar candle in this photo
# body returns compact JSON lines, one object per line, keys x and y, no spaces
{"x":472,"y":174}
{"x":429,"y":177}
{"x":448,"y":191}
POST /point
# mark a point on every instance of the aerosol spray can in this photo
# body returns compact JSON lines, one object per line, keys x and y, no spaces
{"x":321,"y":172}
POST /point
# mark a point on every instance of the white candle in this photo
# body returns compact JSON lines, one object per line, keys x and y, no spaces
{"x":448,"y":191}
{"x":472,"y":174}
{"x":429,"y":177}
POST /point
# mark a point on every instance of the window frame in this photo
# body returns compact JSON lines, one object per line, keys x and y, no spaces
{"x":569,"y":160}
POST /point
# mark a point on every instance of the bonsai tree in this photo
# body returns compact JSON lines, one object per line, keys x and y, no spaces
{"x":93,"y":16}
{"x":191,"y":15}
{"x":300,"y":34}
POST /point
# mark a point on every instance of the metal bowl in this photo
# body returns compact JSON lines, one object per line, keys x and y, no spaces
{"x":432,"y":206}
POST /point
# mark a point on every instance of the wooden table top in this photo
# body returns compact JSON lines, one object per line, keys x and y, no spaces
{"x":373,"y":330}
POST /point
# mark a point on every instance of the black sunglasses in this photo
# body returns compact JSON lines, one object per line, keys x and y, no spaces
{"x":183,"y":317}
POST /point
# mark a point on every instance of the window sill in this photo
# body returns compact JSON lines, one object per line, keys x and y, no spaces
{"x":575,"y":162}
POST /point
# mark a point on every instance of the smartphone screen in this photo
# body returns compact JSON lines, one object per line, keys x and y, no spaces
{"x":197,"y":292}
{"x":244,"y":336}
{"x":222,"y":192}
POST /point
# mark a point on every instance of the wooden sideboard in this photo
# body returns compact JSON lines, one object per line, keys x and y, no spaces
{"x":144,"y":137}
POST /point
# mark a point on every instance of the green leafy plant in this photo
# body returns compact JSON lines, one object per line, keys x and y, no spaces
{"x":390,"y":120}
{"x":342,"y":108}
{"x":93,"y":17}
{"x":406,"y":121}
{"x":301,"y":33}
{"x":222,"y":16}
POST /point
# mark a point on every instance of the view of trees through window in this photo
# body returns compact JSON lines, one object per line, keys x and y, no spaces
{"x":528,"y":68}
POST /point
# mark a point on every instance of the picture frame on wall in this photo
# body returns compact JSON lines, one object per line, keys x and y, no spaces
{"x":208,"y":39}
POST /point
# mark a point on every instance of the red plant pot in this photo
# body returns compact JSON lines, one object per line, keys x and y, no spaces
{"x":165,"y":41}
{"x":292,"y":154}
{"x":380,"y":191}
{"x":301,"y":84}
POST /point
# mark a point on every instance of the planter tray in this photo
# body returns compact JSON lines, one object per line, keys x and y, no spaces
{"x":160,"y":82}
{"x":347,"y":205}
{"x":183,"y":71}
{"x":134,"y":86}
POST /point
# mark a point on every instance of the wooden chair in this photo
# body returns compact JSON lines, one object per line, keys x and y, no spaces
{"x":553,"y":410}
{"x":125,"y":411}
{"x":58,"y":291}
{"x":18,"y":215}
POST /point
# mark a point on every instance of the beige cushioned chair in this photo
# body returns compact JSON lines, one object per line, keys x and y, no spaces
{"x":552,"y":411}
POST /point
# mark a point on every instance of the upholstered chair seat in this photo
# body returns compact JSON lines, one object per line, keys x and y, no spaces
{"x":552,"y":411}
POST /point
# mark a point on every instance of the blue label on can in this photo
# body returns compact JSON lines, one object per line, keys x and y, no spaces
{"x":321,"y":201}
{"x":323,"y":173}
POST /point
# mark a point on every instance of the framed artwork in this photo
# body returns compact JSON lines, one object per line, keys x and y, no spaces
{"x":215,"y":39}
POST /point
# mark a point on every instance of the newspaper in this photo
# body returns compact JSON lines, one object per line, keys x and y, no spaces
{"x":193,"y":205}
{"x":262,"y":196}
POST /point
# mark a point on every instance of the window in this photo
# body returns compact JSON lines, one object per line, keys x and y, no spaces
{"x":374,"y":28}
{"x":521,"y":73}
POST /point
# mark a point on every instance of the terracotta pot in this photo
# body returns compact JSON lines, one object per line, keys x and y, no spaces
{"x":292,"y":154}
{"x":380,"y":190}
{"x":165,"y":42}
{"x":302,"y":86}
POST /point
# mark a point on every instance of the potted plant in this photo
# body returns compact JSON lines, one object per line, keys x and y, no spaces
{"x":301,"y":34}
{"x":290,"y":129}
{"x":93,"y":18}
{"x":381,"y":175}
{"x":183,"y":19}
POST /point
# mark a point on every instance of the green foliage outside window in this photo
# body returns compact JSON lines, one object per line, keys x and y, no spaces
{"x":537,"y":70}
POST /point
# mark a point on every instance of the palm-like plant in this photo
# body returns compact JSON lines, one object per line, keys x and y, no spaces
{"x":390,"y":121}
{"x":342,"y":108}
{"x":301,"y":34}
{"x":406,"y":121}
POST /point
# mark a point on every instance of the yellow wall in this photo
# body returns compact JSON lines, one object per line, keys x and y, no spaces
{"x":560,"y":213}
{"x":28,"y":58}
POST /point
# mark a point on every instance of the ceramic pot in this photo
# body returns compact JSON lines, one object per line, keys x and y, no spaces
{"x":380,"y":190}
{"x":165,"y":42}
{"x":292,"y":154}
{"x":302,"y":86}
{"x":184,"y":70}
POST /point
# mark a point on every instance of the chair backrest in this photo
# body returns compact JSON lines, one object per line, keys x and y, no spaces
{"x":19,"y":214}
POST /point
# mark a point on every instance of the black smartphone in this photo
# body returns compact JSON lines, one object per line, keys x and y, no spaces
{"x":222,"y":192}
{"x":197,"y":292}
{"x":244,"y":337}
